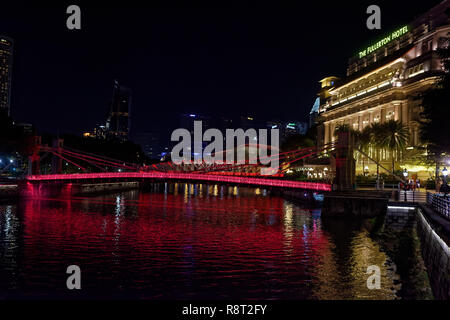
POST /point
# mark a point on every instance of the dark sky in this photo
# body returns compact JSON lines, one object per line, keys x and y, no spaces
{"x":257,"y":58}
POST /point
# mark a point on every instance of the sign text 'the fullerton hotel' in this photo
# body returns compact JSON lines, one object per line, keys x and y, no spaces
{"x":385,"y":40}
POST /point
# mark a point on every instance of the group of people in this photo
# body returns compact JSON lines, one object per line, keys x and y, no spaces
{"x":410,"y":184}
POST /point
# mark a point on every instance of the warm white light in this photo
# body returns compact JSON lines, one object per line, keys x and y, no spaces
{"x":405,"y":173}
{"x":444,"y":172}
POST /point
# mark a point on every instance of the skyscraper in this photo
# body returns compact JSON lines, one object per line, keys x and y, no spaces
{"x":314,"y":112}
{"x":118,"y":123}
{"x":149,"y":142}
{"x":6,"y":58}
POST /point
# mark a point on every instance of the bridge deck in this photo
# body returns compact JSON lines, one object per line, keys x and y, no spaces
{"x":184,"y":176}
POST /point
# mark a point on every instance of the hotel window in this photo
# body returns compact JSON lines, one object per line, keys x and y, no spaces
{"x":443,"y":42}
{"x":426,"y":46}
{"x":389,"y":115}
{"x":415,"y":70}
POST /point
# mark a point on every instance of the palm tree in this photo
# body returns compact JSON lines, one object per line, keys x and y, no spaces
{"x":376,"y":132}
{"x":394,"y":137}
{"x":363,"y":141}
{"x":340,"y":128}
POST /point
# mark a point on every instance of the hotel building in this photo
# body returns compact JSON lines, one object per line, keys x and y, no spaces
{"x":384,"y":81}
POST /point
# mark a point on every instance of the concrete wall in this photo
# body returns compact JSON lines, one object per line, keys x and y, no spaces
{"x":9,"y":191}
{"x":436,"y":255}
{"x":397,"y":219}
{"x":355,"y":204}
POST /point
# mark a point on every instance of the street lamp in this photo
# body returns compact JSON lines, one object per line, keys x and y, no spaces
{"x":445,"y":173}
{"x":444,"y":187}
{"x":405,"y":174}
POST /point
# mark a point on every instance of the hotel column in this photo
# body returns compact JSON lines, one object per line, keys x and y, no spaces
{"x":360,"y":125}
{"x":383,"y":115}
{"x":325,"y":137}
{"x":404,"y":108}
{"x":397,"y":112}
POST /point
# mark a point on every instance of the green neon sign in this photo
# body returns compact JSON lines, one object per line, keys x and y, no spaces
{"x":394,"y":35}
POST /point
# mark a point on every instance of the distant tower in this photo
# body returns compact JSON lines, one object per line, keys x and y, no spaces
{"x":314,"y":112}
{"x":118,"y":124}
{"x":6,"y":59}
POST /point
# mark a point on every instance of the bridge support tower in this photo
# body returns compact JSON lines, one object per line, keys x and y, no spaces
{"x":344,"y":162}
{"x":56,"y":160}
{"x":34,"y":160}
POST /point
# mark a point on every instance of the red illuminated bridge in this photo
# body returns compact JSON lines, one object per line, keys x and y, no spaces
{"x":229,"y":173}
{"x":182,"y":176}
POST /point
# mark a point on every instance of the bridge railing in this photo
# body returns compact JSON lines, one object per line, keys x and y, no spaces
{"x":185,"y":176}
{"x":440,"y":203}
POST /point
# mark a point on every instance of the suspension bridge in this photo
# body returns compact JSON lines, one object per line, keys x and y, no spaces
{"x":97,"y":169}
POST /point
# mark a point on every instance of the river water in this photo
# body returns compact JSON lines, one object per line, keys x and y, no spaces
{"x":184,"y":241}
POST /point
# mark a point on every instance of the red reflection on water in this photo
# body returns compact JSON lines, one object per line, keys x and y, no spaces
{"x":149,"y":240}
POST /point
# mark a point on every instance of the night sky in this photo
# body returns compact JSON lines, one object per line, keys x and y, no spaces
{"x":252,"y":58}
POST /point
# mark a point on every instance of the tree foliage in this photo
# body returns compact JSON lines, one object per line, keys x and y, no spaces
{"x":296,"y":141}
{"x":391,"y":135}
{"x":435,"y":128}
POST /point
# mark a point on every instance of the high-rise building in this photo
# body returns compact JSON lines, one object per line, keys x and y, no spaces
{"x":150,"y":143}
{"x":314,"y":112}
{"x":186,"y":121}
{"x":118,"y":123}
{"x":248,"y":122}
{"x":6,"y":59}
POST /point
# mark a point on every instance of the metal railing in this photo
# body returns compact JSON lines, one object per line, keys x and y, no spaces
{"x":414,"y":196}
{"x":439,"y":203}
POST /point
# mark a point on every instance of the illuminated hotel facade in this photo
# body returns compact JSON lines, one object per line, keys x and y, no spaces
{"x":384,"y":81}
